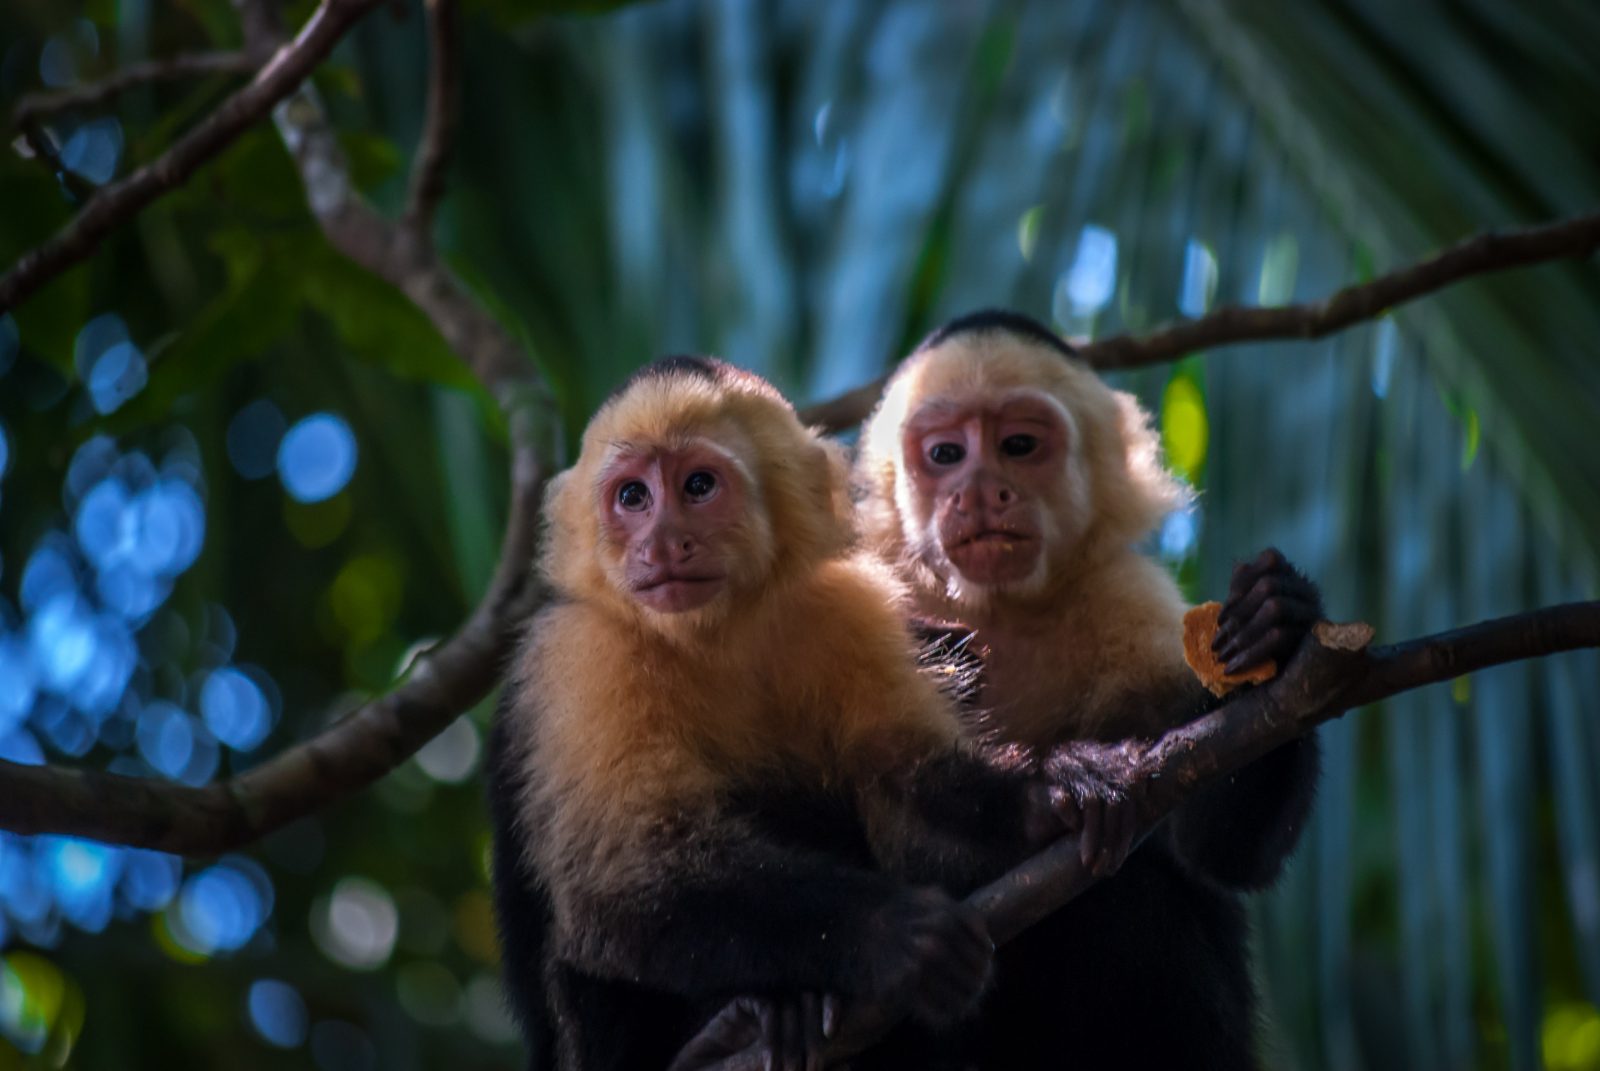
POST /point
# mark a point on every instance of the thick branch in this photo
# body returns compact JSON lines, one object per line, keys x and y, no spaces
{"x":173,"y":69}
{"x":120,"y":201}
{"x":1480,"y":255}
{"x":1335,"y":673}
{"x":342,"y":759}
{"x":443,"y":113}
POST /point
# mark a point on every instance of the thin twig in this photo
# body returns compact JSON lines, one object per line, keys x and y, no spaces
{"x":1333,"y":673}
{"x":1479,"y":255}
{"x":442,"y":683}
{"x":120,"y":201}
{"x":43,"y":144}
{"x":46,"y":103}
{"x":442,"y":115}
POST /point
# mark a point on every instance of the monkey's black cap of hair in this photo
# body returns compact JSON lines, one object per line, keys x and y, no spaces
{"x":1005,"y":321}
{"x":693,"y":366}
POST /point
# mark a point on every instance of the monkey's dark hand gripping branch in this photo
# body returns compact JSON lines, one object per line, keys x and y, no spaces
{"x":1334,"y":671}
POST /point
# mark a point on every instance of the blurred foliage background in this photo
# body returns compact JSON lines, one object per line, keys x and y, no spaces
{"x":240,"y":479}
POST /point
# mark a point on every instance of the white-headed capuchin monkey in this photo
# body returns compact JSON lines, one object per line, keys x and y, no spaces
{"x":717,"y":769}
{"x":1008,"y":485}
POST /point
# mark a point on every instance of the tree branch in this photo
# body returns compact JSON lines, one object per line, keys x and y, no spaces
{"x":42,"y":105}
{"x":443,"y":111}
{"x":120,"y":201}
{"x":395,"y":253}
{"x":347,"y":756}
{"x":443,"y":682}
{"x":1332,"y":673}
{"x":1479,"y":255}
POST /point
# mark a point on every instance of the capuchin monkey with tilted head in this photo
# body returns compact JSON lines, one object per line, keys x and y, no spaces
{"x":717,"y":770}
{"x":1008,"y":486}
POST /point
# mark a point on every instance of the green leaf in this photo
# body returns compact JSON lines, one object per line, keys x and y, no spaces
{"x":373,"y":158}
{"x":259,"y":304}
{"x":377,"y":322}
{"x":35,"y":209}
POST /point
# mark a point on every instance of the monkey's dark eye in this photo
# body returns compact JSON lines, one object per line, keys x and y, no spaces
{"x":1018,"y":445}
{"x":946,"y":453}
{"x":699,"y":485}
{"x":633,"y":496}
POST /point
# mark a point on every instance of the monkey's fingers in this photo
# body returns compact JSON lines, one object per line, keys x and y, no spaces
{"x":1092,"y":837}
{"x":771,"y":1035}
{"x":791,"y":1031}
{"x":1247,"y":574}
{"x":1273,"y":633}
{"x":812,"y":1038}
{"x":1121,"y":822}
{"x":832,"y":1012}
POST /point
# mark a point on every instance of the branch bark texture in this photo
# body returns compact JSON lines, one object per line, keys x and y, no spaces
{"x":120,"y":201}
{"x":179,"y":68}
{"x":1334,"y":671}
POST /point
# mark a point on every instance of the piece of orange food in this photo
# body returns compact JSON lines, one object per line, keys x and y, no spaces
{"x":1199,"y":627}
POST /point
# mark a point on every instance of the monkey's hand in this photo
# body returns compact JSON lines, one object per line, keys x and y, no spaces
{"x":1270,"y":608}
{"x":1099,"y":794}
{"x":790,"y":1030}
{"x":929,"y":956}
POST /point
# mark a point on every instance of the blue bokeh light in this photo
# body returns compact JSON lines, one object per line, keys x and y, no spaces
{"x":20,"y":747}
{"x":90,"y":464}
{"x":223,"y":906}
{"x":1092,"y":278}
{"x":5,"y":445}
{"x":235,"y":709}
{"x":176,"y":744}
{"x":93,"y":150}
{"x":57,"y":68}
{"x":50,"y":572}
{"x":253,"y":437}
{"x":108,"y":362}
{"x":18,"y":685}
{"x":317,"y":457}
{"x":277,"y":1013}
{"x":149,"y":879}
{"x":62,"y":638}
{"x":83,"y":876}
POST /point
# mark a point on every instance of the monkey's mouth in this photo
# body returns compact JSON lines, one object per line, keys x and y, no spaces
{"x":670,"y":592}
{"x":993,"y":537}
{"x":994,"y":555}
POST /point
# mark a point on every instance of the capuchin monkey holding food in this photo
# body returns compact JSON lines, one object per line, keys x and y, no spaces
{"x":1008,"y":487}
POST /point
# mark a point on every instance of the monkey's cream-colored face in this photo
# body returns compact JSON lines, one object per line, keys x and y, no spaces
{"x":985,"y":470}
{"x":678,"y":517}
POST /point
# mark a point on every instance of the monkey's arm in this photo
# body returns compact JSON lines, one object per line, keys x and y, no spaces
{"x":963,"y":819}
{"x":728,"y":913}
{"x":522,"y":910}
{"x":1239,"y":831}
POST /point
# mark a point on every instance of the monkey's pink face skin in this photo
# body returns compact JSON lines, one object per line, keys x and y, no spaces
{"x":677,"y":514}
{"x":986,"y":467}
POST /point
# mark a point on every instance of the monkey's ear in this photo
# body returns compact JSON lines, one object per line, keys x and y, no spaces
{"x":1138,"y":490}
{"x":569,"y":557}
